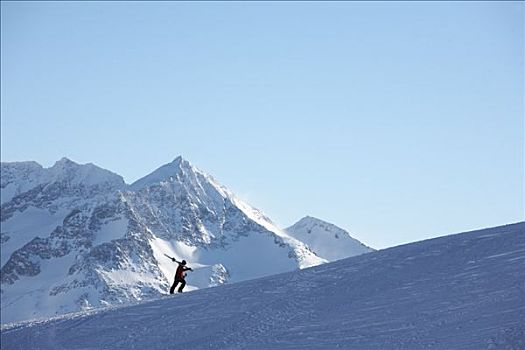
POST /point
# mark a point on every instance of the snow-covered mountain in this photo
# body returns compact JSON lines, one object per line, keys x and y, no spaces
{"x":464,"y":291}
{"x":66,"y":176}
{"x":326,"y":240}
{"x":76,"y":236}
{"x":35,"y":200}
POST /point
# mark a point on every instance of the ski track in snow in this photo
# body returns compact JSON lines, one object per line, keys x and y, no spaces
{"x":463,"y":291}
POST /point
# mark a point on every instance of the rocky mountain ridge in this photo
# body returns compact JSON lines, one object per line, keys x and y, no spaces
{"x":76,"y":236}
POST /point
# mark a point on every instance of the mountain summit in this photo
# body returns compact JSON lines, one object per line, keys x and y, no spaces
{"x":161,"y":174}
{"x":326,"y":240}
{"x":76,"y":237}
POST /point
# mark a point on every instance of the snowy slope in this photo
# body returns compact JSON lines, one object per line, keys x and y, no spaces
{"x":326,"y":240}
{"x":206,"y":215}
{"x":76,"y":237}
{"x":52,"y":220}
{"x":19,"y":177}
{"x":463,"y":291}
{"x":35,"y":200}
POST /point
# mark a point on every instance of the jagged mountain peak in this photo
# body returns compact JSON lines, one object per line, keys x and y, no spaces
{"x":200,"y":188}
{"x":74,"y":220}
{"x":179,"y":160}
{"x":87,"y":174}
{"x":28,"y":174}
{"x":13,"y":170}
{"x":18,"y":177}
{"x":23,"y":164}
{"x":178,"y":169}
{"x":64,"y":162}
{"x":309,"y":222}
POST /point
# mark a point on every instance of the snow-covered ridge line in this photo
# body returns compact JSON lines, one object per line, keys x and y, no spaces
{"x":326,"y":239}
{"x":76,"y":237}
{"x":179,"y":166}
{"x":20,"y":177}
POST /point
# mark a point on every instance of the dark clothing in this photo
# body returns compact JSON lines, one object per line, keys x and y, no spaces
{"x":179,"y":278}
{"x":182,"y":285}
{"x":180,"y":271}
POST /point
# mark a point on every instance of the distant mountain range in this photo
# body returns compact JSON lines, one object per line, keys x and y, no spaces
{"x":76,"y":237}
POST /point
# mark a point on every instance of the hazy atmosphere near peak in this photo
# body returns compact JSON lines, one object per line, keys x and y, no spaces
{"x":395,"y":121}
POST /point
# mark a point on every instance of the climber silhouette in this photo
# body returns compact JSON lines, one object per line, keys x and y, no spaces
{"x":179,"y":276}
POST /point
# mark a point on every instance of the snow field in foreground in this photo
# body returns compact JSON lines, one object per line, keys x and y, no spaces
{"x":463,"y":291}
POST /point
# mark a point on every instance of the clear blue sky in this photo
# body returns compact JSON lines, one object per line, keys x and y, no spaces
{"x":396,"y":121}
